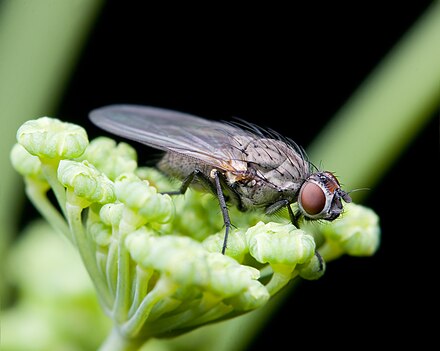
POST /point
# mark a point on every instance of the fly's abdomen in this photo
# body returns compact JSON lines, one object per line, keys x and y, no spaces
{"x":180,"y":167}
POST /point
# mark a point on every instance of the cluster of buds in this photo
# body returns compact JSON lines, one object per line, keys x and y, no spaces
{"x":156,"y":260}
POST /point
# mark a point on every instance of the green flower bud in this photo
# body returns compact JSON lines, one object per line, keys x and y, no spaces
{"x":120,"y":216}
{"x":50,"y":138}
{"x":313,"y":269}
{"x":357,"y":232}
{"x":180,"y":258}
{"x":110,"y":158}
{"x":25,"y":163}
{"x":86,"y":181}
{"x":237,"y":245}
{"x":156,"y":179}
{"x":228,"y":278}
{"x":144,"y":199}
{"x":211,"y":285}
{"x":198,"y":215}
{"x":255,"y":296}
{"x":190,"y":266}
{"x":111,"y":214}
{"x":100,"y":233}
{"x":277,"y":243}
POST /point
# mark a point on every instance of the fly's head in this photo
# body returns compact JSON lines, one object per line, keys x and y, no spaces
{"x":320,"y":197}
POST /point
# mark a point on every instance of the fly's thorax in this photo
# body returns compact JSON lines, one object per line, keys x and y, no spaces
{"x":277,"y":163}
{"x":260,"y":194}
{"x":264,"y":171}
{"x":320,"y":197}
{"x":257,"y":188}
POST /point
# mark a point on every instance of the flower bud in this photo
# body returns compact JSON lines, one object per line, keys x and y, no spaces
{"x":100,"y":233}
{"x":110,"y":158}
{"x":86,"y":181}
{"x":50,"y":138}
{"x":25,"y":163}
{"x":277,"y":243}
{"x":180,"y":258}
{"x":185,"y":262}
{"x":357,"y":232}
{"x":111,"y":214}
{"x":144,"y":199}
{"x":227,"y":277}
{"x":236,"y":245}
{"x":313,"y":269}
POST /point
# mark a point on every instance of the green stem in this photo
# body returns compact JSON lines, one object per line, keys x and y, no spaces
{"x":207,"y":310}
{"x":39,"y":199}
{"x":116,"y":342}
{"x":194,"y":314}
{"x":163,"y":288}
{"x":111,"y":267}
{"x":49,"y":168}
{"x":280,"y":278}
{"x":140,"y":288}
{"x":87,"y":251}
{"x":101,"y":261}
{"x":123,"y":286}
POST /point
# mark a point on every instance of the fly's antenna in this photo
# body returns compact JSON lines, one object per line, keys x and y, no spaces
{"x":357,"y":189}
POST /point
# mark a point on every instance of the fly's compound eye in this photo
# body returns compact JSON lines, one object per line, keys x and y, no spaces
{"x":312,"y":199}
{"x":320,"y":197}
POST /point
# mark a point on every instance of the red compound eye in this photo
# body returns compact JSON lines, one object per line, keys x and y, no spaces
{"x":312,"y":199}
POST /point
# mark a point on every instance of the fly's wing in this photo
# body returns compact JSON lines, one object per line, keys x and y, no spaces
{"x":212,"y":142}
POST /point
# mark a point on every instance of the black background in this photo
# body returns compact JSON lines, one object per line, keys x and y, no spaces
{"x":291,"y":69}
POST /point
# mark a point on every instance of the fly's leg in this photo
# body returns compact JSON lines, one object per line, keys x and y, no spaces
{"x":294,"y":218}
{"x":216,"y":188}
{"x":187,"y":182}
{"x":183,"y":187}
{"x":320,"y":259}
{"x":280,"y":204}
{"x":223,"y":207}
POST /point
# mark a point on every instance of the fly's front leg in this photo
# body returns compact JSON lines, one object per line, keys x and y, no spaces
{"x":280,"y":204}
{"x":293,"y":217}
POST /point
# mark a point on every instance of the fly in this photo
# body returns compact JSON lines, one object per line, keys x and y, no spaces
{"x":241,"y":164}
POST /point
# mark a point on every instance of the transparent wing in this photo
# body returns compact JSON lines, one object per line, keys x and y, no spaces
{"x":212,"y":142}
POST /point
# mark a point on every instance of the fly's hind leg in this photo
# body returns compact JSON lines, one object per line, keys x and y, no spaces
{"x":187,"y":182}
{"x":221,"y":199}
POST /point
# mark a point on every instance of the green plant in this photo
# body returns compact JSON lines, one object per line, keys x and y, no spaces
{"x":155,"y":262}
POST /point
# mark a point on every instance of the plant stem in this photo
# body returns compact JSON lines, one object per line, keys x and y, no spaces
{"x":123,"y":288}
{"x":46,"y":208}
{"x":163,"y":288}
{"x":140,"y":288}
{"x":279,"y":280}
{"x":87,"y":252}
{"x":116,"y":342}
{"x":49,"y":168}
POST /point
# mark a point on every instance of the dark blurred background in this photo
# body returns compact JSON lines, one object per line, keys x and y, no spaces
{"x":291,"y":69}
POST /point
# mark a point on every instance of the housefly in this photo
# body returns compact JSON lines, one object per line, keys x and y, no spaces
{"x":242,"y":164}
